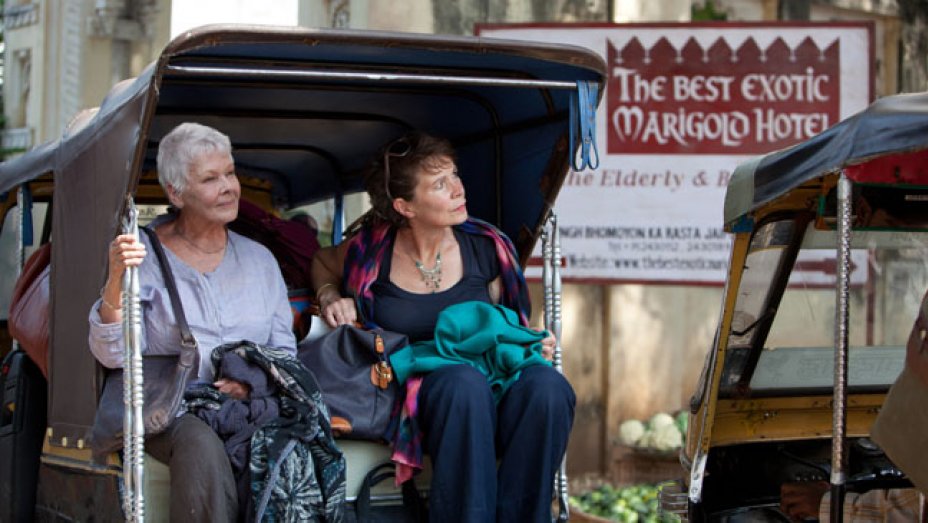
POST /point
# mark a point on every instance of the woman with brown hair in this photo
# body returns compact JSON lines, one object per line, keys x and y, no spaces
{"x":413,"y":255}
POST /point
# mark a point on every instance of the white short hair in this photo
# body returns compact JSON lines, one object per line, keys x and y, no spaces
{"x":183,"y":146}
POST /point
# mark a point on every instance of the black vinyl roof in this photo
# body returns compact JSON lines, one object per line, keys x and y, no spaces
{"x":891,"y":125}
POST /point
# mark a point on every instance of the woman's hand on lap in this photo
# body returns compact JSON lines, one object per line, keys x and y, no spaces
{"x":232,"y":388}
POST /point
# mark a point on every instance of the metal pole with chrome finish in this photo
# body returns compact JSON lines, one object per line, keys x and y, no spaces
{"x":276,"y":73}
{"x":839,"y":416}
{"x":133,"y":397}
{"x":20,"y":238}
{"x":551,"y":280}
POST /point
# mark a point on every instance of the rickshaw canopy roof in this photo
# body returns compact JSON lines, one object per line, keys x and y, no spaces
{"x":305,"y":110}
{"x":892,"y":126}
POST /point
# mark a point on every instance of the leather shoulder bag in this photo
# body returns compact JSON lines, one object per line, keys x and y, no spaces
{"x":358,"y":387}
{"x":28,"y":317}
{"x":165,"y":378}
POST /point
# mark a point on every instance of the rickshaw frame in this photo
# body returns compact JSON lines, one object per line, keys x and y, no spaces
{"x":885,"y":145}
{"x":305,"y":109}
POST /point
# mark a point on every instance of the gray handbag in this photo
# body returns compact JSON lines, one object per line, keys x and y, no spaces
{"x":165,"y":378}
{"x":357,"y":383}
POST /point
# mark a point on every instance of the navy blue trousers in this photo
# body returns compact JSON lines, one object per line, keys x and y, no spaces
{"x":494,"y":463}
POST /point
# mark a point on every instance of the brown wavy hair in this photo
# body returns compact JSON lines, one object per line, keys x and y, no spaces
{"x":405,"y":157}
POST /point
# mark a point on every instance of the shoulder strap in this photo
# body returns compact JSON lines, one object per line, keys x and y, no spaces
{"x":186,"y":337}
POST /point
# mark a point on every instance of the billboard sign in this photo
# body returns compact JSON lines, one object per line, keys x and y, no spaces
{"x":684,"y":105}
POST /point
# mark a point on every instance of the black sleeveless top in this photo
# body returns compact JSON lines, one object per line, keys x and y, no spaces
{"x":416,"y":314}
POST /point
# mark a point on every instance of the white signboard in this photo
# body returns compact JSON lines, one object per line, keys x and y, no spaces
{"x":819,"y":268}
{"x":684,"y":105}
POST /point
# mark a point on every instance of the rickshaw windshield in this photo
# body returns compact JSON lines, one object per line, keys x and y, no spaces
{"x":783,"y":344}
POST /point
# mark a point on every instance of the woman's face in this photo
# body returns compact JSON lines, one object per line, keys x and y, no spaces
{"x":438,"y":199}
{"x":212,"y":190}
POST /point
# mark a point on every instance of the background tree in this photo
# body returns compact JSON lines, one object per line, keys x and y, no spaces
{"x":706,"y":12}
{"x":914,"y":70}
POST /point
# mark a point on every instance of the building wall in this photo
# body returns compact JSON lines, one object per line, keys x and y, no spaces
{"x":75,"y":50}
{"x":887,"y":28}
{"x":886,"y":36}
{"x":664,"y":11}
{"x":447,"y":16}
{"x":23,"y":62}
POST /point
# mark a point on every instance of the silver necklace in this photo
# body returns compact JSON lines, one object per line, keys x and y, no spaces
{"x":197,"y":247}
{"x":431,"y":277}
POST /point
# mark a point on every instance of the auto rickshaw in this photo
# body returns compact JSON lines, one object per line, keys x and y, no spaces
{"x":305,"y":109}
{"x":826,"y":277}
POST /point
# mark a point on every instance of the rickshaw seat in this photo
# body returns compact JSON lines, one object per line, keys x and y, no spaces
{"x":157,"y":491}
{"x":360,"y":458}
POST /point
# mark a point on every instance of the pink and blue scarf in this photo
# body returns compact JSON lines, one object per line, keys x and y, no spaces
{"x":366,"y":251}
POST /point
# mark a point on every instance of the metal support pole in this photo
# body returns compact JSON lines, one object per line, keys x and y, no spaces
{"x":226,"y":72}
{"x":20,"y":229}
{"x":20,"y":235}
{"x":551,"y":279}
{"x":839,"y":421}
{"x":133,"y":382}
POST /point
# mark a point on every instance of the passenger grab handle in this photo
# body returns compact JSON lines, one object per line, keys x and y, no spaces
{"x":551,"y":280}
{"x":133,"y":383}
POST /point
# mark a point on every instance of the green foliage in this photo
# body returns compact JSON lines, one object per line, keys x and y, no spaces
{"x":706,"y":13}
{"x":682,"y":421}
{"x":632,"y":504}
{"x":6,"y":152}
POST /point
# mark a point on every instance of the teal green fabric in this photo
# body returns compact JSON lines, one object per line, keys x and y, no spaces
{"x":487,"y":337}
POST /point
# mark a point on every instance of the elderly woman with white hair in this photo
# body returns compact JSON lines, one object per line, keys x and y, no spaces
{"x":231,"y":289}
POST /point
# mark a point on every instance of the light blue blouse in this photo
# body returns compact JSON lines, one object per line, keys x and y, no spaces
{"x":244,"y":298}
